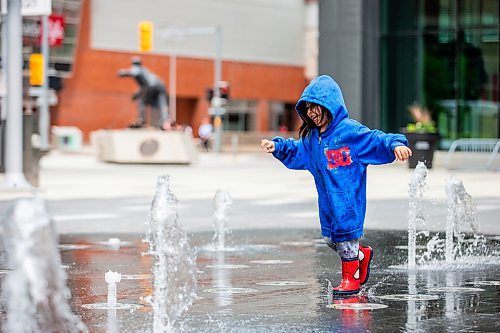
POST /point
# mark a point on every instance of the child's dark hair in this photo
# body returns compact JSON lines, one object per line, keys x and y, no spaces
{"x":307,"y":123}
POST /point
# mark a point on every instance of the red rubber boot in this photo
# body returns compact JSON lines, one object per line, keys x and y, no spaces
{"x":365,"y":259}
{"x":350,"y":278}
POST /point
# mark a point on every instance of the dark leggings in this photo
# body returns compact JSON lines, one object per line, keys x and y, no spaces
{"x":347,"y":250}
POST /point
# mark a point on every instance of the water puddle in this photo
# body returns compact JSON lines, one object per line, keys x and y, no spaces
{"x":70,"y":247}
{"x":260,"y":247}
{"x":456,"y":289}
{"x":271,"y":262}
{"x":463,"y":263}
{"x":119,"y":306}
{"x":228,"y":266}
{"x":298,"y":244}
{"x":357,"y":306}
{"x":136,"y":276}
{"x":115,"y":243}
{"x":485,"y":283}
{"x":409,"y":297}
{"x":283,"y":283}
{"x":230,"y":291}
{"x":244,"y":248}
{"x":399,"y":267}
{"x":405,"y":247}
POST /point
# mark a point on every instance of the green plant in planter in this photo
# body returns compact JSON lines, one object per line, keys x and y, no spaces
{"x":423,"y":120}
{"x":422,"y":136}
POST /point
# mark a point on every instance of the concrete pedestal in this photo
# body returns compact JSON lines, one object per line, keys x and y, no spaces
{"x":144,"y":146}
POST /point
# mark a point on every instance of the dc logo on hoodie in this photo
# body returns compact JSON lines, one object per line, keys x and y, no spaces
{"x":338,"y":158}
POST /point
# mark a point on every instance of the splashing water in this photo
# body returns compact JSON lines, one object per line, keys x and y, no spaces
{"x":329,"y":292}
{"x":416,"y":215}
{"x":461,"y":245}
{"x":175,"y":261}
{"x":461,"y":219}
{"x":434,"y":250}
{"x":222,"y":202}
{"x":36,"y":287}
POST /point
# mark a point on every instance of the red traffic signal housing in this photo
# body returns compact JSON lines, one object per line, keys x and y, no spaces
{"x":224,"y":91}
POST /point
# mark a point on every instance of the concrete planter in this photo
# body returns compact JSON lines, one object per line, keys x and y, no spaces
{"x":423,"y":146}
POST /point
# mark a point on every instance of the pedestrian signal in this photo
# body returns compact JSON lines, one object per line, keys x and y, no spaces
{"x":224,"y":90}
{"x":36,"y":69}
{"x":145,"y":36}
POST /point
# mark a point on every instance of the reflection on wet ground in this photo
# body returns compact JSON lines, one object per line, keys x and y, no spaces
{"x":276,"y":281}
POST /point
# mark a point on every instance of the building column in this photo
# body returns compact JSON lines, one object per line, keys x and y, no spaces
{"x":200,"y":112}
{"x":349,"y":52}
{"x":262,"y":115}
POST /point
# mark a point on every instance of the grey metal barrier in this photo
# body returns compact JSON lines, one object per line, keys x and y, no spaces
{"x":491,"y":146}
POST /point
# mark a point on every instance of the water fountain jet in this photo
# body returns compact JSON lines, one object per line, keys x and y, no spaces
{"x":112,"y":278}
{"x":174,"y":260}
{"x":461,"y":215}
{"x":36,"y":287}
{"x":416,"y":215}
{"x":457,"y":246}
{"x":222,"y":201}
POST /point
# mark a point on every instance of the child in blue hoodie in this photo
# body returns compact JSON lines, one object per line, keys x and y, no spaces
{"x":337,"y":150}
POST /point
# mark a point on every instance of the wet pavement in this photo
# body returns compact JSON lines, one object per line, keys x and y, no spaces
{"x":277,"y":281}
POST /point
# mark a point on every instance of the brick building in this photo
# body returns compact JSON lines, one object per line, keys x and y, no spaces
{"x":264,"y":51}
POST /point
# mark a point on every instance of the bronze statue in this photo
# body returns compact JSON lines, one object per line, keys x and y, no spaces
{"x":152,"y":93}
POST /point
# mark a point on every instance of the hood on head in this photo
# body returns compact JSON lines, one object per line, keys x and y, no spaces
{"x":324,"y":91}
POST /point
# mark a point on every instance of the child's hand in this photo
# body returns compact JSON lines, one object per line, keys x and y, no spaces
{"x":267,"y":145}
{"x":402,"y":153}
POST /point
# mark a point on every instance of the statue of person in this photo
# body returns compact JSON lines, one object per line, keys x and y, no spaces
{"x":152,"y":93}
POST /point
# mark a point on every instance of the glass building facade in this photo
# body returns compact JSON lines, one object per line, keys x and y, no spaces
{"x":443,"y":55}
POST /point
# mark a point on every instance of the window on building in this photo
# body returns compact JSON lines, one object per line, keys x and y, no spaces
{"x":240,"y":116}
{"x":281,"y":116}
{"x":61,"y":57}
{"x":448,"y":60}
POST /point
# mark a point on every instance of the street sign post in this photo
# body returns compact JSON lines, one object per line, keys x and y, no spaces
{"x":216,"y":102}
{"x":14,"y":176}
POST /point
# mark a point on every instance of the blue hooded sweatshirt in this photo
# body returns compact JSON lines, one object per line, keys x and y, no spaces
{"x":337,"y":159}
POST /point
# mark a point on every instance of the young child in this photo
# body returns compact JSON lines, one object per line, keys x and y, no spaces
{"x":337,"y":150}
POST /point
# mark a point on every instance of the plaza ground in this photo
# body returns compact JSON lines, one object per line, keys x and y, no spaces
{"x":89,"y":196}
{"x":274,"y":274}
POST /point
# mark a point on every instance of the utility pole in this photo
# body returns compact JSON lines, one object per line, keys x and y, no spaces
{"x":14,"y":176}
{"x":216,"y":100}
{"x":4,"y":67}
{"x":173,"y":87}
{"x":44,"y":119}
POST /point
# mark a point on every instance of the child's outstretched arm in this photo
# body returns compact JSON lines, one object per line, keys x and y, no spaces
{"x":292,"y":153}
{"x":267,"y":145}
{"x":377,"y":147}
{"x":402,"y":153}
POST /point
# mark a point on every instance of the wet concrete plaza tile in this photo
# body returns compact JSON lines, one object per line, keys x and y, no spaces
{"x":277,"y":281}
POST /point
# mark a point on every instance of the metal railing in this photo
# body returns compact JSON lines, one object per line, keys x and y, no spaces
{"x":491,"y":146}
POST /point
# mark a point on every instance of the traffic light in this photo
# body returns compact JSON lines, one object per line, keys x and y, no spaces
{"x":224,"y":92}
{"x":145,"y":36}
{"x":36,"y":69}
